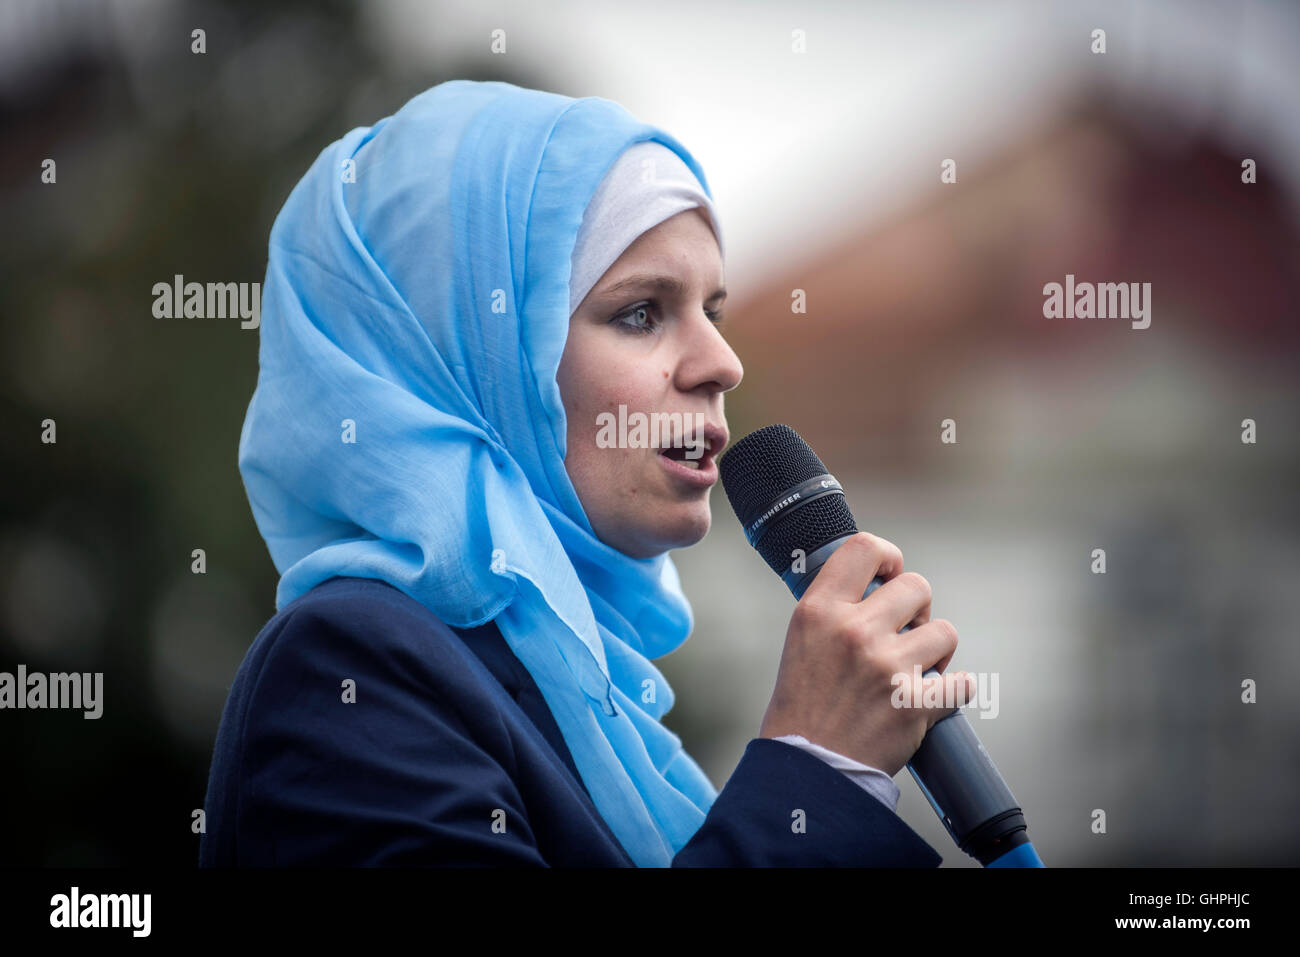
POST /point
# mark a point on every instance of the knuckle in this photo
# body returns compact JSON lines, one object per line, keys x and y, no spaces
{"x":808,"y":615}
{"x":863,"y":543}
{"x":806,"y":607}
{"x":883,"y":659}
{"x":918,"y":582}
{"x":873,"y":655}
{"x":886,"y":546}
{"x":947,"y":629}
{"x":849,"y":634}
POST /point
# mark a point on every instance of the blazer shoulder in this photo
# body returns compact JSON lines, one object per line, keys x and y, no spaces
{"x":365,"y":603}
{"x":381,"y":639}
{"x":343,"y":612}
{"x":361,"y":729}
{"x":366,"y":627}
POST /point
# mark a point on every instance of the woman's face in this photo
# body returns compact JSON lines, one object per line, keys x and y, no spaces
{"x":653,"y":348}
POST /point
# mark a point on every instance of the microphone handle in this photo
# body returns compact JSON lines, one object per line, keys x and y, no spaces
{"x":958,"y":778}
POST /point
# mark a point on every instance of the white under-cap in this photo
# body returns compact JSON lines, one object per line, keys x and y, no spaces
{"x":646,"y":185}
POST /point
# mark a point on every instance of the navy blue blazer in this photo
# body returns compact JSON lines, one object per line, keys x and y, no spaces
{"x":447,"y":727}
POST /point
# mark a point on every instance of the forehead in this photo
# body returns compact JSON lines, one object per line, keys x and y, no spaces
{"x":669,"y":256}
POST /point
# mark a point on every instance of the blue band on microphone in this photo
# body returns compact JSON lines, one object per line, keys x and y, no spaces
{"x":1022,"y":855}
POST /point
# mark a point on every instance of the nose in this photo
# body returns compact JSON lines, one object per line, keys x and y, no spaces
{"x":707,"y":359}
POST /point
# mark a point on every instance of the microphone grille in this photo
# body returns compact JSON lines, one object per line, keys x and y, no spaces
{"x":758,"y":469}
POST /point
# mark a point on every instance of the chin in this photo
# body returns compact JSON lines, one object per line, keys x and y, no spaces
{"x":690,"y":527}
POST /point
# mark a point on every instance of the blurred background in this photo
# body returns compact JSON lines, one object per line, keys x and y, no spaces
{"x":822,"y":128}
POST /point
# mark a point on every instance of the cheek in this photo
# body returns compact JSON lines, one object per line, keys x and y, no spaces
{"x":596,"y":376}
{"x":605,"y":381}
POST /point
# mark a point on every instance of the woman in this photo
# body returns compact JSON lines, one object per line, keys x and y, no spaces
{"x":473,"y":587}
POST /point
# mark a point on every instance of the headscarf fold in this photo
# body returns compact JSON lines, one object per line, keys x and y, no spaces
{"x":407,"y":425}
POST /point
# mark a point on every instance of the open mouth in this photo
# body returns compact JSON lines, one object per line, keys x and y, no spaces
{"x":679,"y":454}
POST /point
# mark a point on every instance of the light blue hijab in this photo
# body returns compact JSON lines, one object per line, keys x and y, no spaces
{"x":407,"y":425}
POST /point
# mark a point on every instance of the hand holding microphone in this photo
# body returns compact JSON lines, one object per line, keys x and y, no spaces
{"x":837,"y":680}
{"x":843,"y":648}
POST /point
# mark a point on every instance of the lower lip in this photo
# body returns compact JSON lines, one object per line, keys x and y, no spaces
{"x":702,"y":477}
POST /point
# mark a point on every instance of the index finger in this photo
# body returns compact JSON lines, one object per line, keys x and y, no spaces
{"x":849,"y":571}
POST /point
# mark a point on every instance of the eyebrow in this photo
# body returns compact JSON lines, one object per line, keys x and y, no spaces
{"x":650,"y":281}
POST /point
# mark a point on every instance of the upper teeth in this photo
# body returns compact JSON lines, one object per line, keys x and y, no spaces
{"x":684,"y":451}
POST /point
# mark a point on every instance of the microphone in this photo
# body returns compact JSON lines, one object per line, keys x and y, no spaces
{"x":793,"y":511}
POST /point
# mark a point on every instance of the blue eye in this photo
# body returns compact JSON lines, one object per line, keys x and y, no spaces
{"x":651,"y":325}
{"x":639,"y":307}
